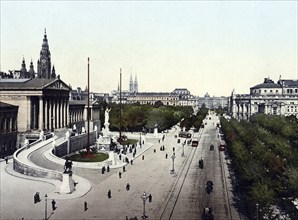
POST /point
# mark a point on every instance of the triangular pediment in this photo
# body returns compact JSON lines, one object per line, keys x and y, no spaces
{"x":57,"y":85}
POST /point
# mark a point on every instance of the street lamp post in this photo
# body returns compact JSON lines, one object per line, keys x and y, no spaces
{"x":46,"y":207}
{"x":173,"y":158}
{"x":257,"y":211}
{"x":144,"y":198}
{"x":182,"y":155}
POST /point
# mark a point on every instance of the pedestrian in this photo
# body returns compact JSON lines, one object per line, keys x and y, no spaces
{"x":6,"y":160}
{"x":166,"y":156}
{"x":109,"y":194}
{"x":150,"y":197}
{"x":123,"y":169}
{"x":85,"y":206}
{"x":131,"y":162}
{"x":126,"y":218}
{"x":127,"y":186}
{"x":108,"y":168}
{"x":102,"y":170}
{"x":154,"y":151}
{"x":119,"y":156}
{"x":119,"y":174}
{"x":142,"y":157}
{"x":173,"y":149}
{"x":53,"y":205}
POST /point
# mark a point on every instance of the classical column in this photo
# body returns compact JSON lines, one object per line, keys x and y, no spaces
{"x":40,"y":114}
{"x":60,"y":113}
{"x":55,"y":114}
{"x":28,"y":125}
{"x":45,"y":101}
{"x":51,"y":110}
{"x":66,"y":111}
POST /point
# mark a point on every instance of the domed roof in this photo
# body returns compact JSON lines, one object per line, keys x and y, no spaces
{"x":268,"y":83}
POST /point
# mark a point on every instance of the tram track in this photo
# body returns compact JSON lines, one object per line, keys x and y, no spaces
{"x":175,"y":192}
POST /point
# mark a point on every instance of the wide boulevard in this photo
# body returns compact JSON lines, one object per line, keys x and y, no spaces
{"x":178,"y":194}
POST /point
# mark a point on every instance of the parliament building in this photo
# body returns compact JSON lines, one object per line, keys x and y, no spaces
{"x":31,"y":102}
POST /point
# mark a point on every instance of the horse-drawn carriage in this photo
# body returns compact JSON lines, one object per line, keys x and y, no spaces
{"x":209,"y":186}
{"x":201,"y":163}
{"x":207,"y":214}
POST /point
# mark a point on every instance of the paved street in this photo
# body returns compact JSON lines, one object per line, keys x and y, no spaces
{"x":174,"y":196}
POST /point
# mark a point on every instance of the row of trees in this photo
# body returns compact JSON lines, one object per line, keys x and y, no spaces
{"x":136,"y":117}
{"x":195,"y":120}
{"x":265,"y":162}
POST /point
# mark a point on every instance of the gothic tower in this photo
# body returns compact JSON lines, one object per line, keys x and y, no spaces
{"x":44,"y":63}
{"x":136,"y":86}
{"x":31,"y":70}
{"x":131,"y":89}
{"x":23,"y":71}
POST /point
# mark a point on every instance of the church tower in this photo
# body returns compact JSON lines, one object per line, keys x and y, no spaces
{"x":44,"y":63}
{"x":136,"y":86}
{"x":131,"y":89}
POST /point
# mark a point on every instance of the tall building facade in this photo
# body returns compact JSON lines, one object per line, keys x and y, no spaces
{"x":279,"y":98}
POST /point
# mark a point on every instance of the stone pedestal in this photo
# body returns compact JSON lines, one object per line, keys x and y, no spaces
{"x":67,"y":186}
{"x":155,"y":132}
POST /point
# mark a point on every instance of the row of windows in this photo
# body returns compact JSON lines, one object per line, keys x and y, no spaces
{"x":157,"y":99}
{"x":290,"y":91}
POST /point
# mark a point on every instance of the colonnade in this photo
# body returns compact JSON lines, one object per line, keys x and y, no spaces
{"x":76,"y":115}
{"x":52,"y":113}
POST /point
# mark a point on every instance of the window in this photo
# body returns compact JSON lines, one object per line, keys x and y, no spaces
{"x":270,"y":90}
{"x":276,"y":91}
{"x":265,"y":90}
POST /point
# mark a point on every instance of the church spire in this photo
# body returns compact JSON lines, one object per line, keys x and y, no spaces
{"x":131,"y":89}
{"x":136,"y":86}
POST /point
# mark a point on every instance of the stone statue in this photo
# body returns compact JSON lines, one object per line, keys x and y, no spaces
{"x":107,"y":115}
{"x":41,"y":134}
{"x":67,"y":166}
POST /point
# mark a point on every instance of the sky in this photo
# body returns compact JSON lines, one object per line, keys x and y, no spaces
{"x":204,"y":46}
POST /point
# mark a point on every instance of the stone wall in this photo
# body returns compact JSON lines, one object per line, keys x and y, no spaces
{"x":32,"y":170}
{"x":60,"y":150}
{"x":76,"y":143}
{"x":80,"y":142}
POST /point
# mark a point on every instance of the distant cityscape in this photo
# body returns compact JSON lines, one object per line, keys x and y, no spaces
{"x":31,"y":101}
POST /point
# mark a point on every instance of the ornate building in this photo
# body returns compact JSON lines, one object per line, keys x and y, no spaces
{"x":279,"y":98}
{"x":213,"y":102}
{"x":43,"y":103}
{"x":179,"y":97}
{"x":42,"y":100}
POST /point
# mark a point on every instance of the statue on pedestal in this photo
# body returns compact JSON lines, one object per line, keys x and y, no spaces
{"x":107,"y":115}
{"x":67,"y":166}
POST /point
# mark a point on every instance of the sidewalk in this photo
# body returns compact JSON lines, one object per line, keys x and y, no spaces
{"x":17,"y":191}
